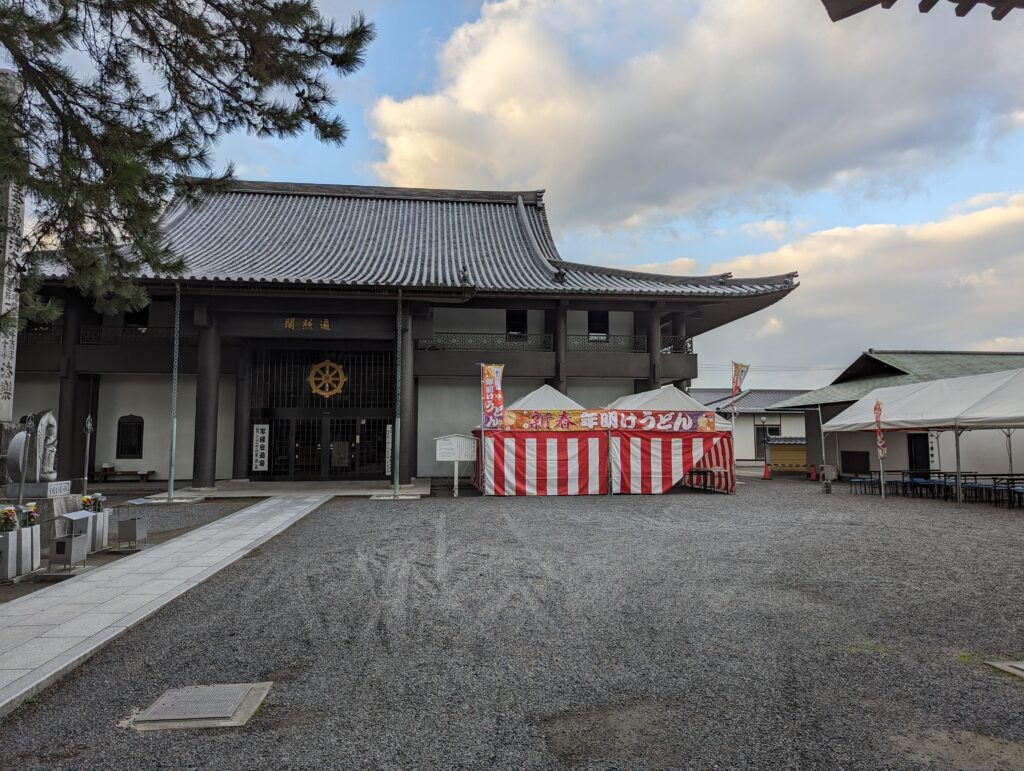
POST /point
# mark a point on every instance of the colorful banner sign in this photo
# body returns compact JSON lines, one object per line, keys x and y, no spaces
{"x":608,"y":420}
{"x":739,"y":374}
{"x":879,"y":433}
{"x":492,"y":399}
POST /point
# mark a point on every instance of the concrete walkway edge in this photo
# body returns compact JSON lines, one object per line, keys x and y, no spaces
{"x":34,"y":680}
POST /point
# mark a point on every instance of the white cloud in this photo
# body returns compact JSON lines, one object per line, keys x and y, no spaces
{"x":684,"y":266}
{"x":634,"y":111}
{"x":771,"y":326}
{"x":1001,"y":344}
{"x":775,"y":229}
{"x":879,"y":286}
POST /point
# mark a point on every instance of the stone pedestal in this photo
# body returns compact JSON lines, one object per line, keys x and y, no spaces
{"x":30,"y":549}
{"x":36,"y":490}
{"x":100,"y":535}
{"x":8,"y":555}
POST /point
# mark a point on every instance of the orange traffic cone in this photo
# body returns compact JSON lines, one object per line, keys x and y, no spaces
{"x":814,"y":472}
{"x":767,"y":472}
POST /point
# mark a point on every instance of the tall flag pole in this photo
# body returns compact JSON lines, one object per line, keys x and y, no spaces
{"x":492,"y":402}
{"x":880,"y":444}
{"x":739,"y":374}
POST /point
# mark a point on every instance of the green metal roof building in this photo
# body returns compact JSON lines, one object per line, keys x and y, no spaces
{"x":881,"y":369}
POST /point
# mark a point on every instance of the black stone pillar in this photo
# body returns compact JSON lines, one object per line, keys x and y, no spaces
{"x":407,"y":448}
{"x":67,"y":429}
{"x":204,"y":460}
{"x":560,"y":341}
{"x":240,"y":459}
{"x":679,"y":332}
{"x":654,"y":347}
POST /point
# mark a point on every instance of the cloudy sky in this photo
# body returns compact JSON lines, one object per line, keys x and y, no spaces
{"x":880,"y":157}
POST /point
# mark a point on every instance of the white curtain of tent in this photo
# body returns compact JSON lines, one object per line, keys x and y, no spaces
{"x":991,"y":401}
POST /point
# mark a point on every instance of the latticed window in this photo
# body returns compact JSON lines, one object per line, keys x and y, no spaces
{"x":129,"y":436}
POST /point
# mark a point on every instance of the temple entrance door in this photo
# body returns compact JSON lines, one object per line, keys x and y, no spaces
{"x":341,"y":456}
{"x":307,"y":458}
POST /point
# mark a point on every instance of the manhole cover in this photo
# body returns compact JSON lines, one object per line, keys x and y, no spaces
{"x":1013,"y":667}
{"x":198,"y":702}
{"x":204,"y":706}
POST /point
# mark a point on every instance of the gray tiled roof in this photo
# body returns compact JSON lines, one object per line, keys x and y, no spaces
{"x":754,"y":399}
{"x":402,"y":237}
{"x":881,"y":369}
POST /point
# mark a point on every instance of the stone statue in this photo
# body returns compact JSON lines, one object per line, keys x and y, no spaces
{"x":46,"y":447}
{"x":41,"y":458}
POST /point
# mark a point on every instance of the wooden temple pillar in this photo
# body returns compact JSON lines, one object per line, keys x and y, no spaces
{"x":204,"y":469}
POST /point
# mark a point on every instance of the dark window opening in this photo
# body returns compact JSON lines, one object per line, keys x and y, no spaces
{"x":139,"y":318}
{"x":516,"y":327}
{"x":597,"y":326}
{"x":129,"y":437}
{"x":759,"y":438}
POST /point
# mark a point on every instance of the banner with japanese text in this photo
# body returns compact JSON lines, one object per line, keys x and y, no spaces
{"x":591,"y":420}
{"x":492,"y":399}
{"x":739,"y":374}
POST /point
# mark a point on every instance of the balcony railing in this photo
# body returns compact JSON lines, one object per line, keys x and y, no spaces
{"x":609,"y":343}
{"x":484,"y":341}
{"x":94,"y":335}
{"x":48,"y":334}
{"x":676,"y":344}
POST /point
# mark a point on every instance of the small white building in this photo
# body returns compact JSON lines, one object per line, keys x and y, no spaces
{"x":752,"y":405}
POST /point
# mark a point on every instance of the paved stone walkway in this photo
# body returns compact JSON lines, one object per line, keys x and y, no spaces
{"x":47,"y":633}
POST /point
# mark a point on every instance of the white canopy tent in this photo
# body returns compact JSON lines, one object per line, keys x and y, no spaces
{"x":668,"y":397}
{"x":545,"y":398}
{"x":991,"y":401}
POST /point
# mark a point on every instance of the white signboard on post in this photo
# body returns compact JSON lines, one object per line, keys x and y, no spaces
{"x":454,"y":448}
{"x":260,"y":446}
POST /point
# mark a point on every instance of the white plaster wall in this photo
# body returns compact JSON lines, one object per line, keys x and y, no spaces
{"x":793,"y":425}
{"x":149,"y":396}
{"x":35,"y":393}
{"x":487,"y":320}
{"x":452,"y":406}
{"x":896,"y":458}
{"x":981,"y":451}
{"x":598,"y":392}
{"x":745,"y":433}
{"x":743,"y":436}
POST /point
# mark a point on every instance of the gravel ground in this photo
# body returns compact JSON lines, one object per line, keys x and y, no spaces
{"x":777,"y":627}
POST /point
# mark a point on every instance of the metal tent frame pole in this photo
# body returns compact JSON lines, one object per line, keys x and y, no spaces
{"x":397,"y":448}
{"x":959,"y":489}
{"x":174,"y":392}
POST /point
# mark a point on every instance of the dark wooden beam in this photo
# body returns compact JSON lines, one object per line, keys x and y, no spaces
{"x":1000,"y":11}
{"x":964,"y":7}
{"x":926,"y":5}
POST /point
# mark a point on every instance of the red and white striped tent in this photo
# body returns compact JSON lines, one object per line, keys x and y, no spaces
{"x":543,"y":463}
{"x":714,"y":456}
{"x":580,"y":462}
{"x":651,"y":463}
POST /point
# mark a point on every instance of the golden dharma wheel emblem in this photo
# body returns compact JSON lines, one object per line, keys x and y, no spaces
{"x":326,"y":379}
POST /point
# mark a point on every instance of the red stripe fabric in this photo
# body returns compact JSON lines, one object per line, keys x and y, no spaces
{"x":520,"y":467}
{"x":563,"y":464}
{"x":583,"y":466}
{"x":504,"y":458}
{"x":645,"y":465}
{"x":499,"y":464}
{"x":667,"y":481}
{"x":625,"y":462}
{"x":542,"y":466}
